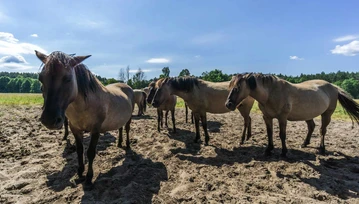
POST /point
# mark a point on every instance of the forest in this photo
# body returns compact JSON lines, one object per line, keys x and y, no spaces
{"x":17,"y":82}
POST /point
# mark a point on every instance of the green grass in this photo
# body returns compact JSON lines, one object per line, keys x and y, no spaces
{"x":36,"y":99}
{"x":20,"y":99}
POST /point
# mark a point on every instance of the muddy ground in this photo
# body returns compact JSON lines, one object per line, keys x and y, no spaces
{"x":37,"y":167}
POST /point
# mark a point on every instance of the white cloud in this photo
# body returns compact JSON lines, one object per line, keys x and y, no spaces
{"x":144,"y":70}
{"x":197,"y":56}
{"x":208,"y":38}
{"x":13,"y":59}
{"x":350,"y":49}
{"x":295,"y":58}
{"x":9,"y":45}
{"x":158,"y":60}
{"x":346,"y":38}
{"x":34,"y":35}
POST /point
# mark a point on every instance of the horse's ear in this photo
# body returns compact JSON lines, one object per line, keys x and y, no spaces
{"x":252,"y":82}
{"x":41,"y":56}
{"x":78,"y":59}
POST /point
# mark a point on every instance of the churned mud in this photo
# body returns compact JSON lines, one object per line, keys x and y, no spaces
{"x":37,"y":167}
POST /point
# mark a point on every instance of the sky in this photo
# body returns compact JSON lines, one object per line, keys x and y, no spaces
{"x":281,"y":36}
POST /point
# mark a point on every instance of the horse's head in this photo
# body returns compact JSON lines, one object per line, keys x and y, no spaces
{"x":151,"y":93}
{"x":240,"y":88}
{"x":163,"y":91}
{"x":59,"y":86}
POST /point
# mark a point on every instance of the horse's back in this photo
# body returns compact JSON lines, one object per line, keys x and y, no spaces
{"x":139,"y":94}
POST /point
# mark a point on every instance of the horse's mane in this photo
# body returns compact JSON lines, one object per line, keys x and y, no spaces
{"x":266,"y":78}
{"x":182,"y":83}
{"x":86,"y":81}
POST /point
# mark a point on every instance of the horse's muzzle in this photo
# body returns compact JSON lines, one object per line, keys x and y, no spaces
{"x":230,"y":105}
{"x":52,"y":123}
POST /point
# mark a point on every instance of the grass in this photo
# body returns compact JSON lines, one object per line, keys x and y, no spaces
{"x":36,"y":99}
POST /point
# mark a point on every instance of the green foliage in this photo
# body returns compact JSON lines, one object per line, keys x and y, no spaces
{"x":165,"y":72}
{"x":184,"y":72}
{"x":25,"y":86}
{"x":215,"y":76}
{"x":4,"y":80}
{"x":351,"y":86}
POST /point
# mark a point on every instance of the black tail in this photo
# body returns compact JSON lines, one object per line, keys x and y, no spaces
{"x":350,"y":106}
{"x":144,"y":101}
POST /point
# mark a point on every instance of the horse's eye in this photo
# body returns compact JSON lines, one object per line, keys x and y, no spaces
{"x":67,"y":79}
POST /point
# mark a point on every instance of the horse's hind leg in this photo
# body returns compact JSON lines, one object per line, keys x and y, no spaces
{"x":173,"y":120}
{"x":120,"y":130}
{"x":196,"y":124}
{"x":187,"y":112}
{"x":311,"y":126}
{"x":166,"y":118}
{"x":283,"y":135}
{"x":91,"y":153}
{"x":204,"y":125}
{"x":66,"y":124}
{"x":127,"y":127}
{"x":326,"y":117}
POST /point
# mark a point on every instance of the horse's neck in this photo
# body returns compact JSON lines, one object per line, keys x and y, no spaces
{"x":260,"y":94}
{"x":184,"y":95}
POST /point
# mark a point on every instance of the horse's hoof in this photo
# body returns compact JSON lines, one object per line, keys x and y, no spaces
{"x":283,"y":155}
{"x":88,"y":185}
{"x":322,"y":151}
{"x":267,"y":153}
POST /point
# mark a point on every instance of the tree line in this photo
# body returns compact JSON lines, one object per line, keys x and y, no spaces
{"x":16,"y":82}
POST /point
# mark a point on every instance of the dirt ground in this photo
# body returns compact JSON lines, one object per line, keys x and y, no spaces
{"x":37,"y":167}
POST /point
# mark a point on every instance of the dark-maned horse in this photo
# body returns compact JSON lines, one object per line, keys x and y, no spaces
{"x":283,"y":100}
{"x":70,"y":88}
{"x":202,"y":97}
{"x":169,"y":104}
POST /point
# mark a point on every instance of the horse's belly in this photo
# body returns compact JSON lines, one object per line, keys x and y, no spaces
{"x":116,"y":121}
{"x":305,"y":114}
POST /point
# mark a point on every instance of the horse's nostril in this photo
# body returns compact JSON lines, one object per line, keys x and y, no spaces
{"x":58,"y":120}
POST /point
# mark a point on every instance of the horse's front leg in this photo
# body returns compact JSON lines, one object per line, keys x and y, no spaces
{"x":66,"y":124}
{"x":204,"y":125}
{"x":283,"y":134}
{"x":186,"y":108}
{"x":173,"y":120}
{"x":127,"y":127}
{"x":166,"y":118}
{"x":78,"y":134}
{"x":158,"y":119}
{"x":269,"y":126}
{"x":311,"y":126}
{"x":91,"y":153}
{"x":196,"y":124}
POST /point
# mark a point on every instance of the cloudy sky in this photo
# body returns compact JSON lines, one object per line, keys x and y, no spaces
{"x":288,"y":37}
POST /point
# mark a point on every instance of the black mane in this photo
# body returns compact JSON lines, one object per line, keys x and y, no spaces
{"x":183,"y":83}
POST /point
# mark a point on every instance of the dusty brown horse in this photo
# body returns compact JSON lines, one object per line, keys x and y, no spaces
{"x":70,"y":88}
{"x":140,"y":100}
{"x":202,"y":97}
{"x":169,"y":104}
{"x":283,"y":100}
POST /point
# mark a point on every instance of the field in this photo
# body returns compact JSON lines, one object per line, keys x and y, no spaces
{"x":37,"y":167}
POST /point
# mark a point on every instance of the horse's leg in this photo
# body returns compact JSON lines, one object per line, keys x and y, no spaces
{"x":204,"y":125}
{"x":246,"y":125}
{"x":91,"y":153}
{"x":127,"y":127}
{"x":311,"y":126}
{"x":186,"y":112}
{"x":283,"y":135}
{"x":166,"y":118}
{"x":326,"y":117}
{"x":79,"y":149}
{"x":161,"y":118}
{"x":66,"y":124}
{"x":192,"y":116}
{"x":249,"y":133}
{"x":139,"y":109}
{"x":120,"y":137}
{"x":158,"y":119}
{"x":173,"y":120}
{"x":269,"y":125}
{"x":196,"y":124}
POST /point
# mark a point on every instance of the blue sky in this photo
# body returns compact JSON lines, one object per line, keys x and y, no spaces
{"x":288,"y":37}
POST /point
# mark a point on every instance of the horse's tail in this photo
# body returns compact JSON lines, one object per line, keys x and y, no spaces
{"x":144,"y":101}
{"x":350,"y":106}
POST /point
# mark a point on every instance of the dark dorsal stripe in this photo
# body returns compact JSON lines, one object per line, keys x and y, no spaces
{"x":183,"y":83}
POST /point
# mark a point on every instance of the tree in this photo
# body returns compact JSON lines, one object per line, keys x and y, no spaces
{"x":165,"y":72}
{"x":138,"y":79}
{"x":110,"y":81}
{"x":25,"y":86}
{"x":184,"y":72}
{"x":4,"y":80}
{"x":35,"y":86}
{"x":351,"y":86}
{"x":215,"y":76}
{"x":127,"y":73}
{"x":121,"y":76}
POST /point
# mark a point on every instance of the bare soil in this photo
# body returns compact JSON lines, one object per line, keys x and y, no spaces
{"x":37,"y":167}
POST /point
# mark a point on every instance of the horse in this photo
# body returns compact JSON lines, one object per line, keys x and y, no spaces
{"x":140,"y":100}
{"x":169,"y":104}
{"x":186,"y":107}
{"x":70,"y":89}
{"x":202,"y":97}
{"x":280,"y":99}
